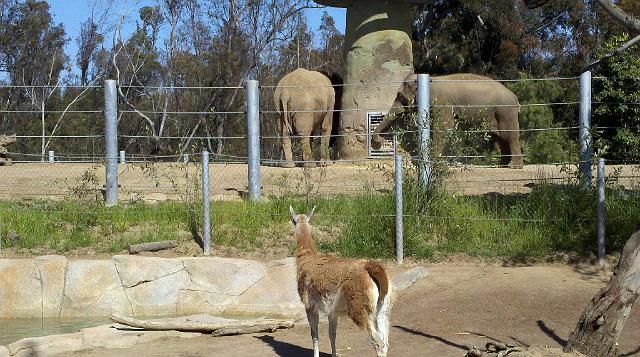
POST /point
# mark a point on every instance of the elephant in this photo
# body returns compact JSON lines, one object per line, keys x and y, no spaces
{"x":305,"y":102}
{"x":484,"y":96}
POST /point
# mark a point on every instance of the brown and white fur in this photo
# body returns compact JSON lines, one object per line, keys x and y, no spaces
{"x":361,"y":289}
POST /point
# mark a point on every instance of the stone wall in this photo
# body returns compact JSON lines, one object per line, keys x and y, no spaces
{"x":55,"y":287}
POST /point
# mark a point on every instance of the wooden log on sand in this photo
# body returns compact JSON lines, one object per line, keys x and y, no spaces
{"x":235,"y":327}
{"x":152,"y":247}
{"x":597,"y":331}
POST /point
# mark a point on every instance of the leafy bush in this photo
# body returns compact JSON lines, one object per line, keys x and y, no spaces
{"x":543,"y":146}
{"x":616,"y":97}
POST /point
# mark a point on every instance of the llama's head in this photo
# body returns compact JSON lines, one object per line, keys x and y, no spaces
{"x":301,"y":218}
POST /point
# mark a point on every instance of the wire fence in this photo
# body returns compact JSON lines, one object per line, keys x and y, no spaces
{"x":231,"y":149}
{"x":59,"y":153}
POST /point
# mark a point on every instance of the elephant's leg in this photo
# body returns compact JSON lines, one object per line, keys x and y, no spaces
{"x":286,"y":146}
{"x":509,"y":132}
{"x":503,"y":145}
{"x":325,"y":136}
{"x":442,"y":121}
{"x":307,"y":153}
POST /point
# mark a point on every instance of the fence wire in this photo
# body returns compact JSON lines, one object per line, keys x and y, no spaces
{"x":159,"y":168}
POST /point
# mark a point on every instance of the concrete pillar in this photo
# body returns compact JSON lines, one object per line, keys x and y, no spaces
{"x":377,"y":51}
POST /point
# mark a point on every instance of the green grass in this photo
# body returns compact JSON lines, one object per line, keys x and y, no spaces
{"x":550,"y":219}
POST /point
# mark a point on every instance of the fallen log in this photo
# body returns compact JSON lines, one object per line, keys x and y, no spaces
{"x":152,"y":247}
{"x":235,"y":327}
{"x":602,"y":321}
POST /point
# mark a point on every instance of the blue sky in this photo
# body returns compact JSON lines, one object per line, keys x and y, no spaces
{"x":73,"y":12}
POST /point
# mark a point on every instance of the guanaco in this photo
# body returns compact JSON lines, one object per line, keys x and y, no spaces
{"x":359,"y":288}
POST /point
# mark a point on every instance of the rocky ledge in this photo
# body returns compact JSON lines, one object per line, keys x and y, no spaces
{"x":55,"y":287}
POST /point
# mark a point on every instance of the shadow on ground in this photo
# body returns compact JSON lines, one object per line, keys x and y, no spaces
{"x":551,"y":333}
{"x":287,"y":349}
{"x":433,"y":337}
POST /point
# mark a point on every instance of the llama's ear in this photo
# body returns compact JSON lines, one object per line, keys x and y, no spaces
{"x":310,"y":214}
{"x":293,"y":214}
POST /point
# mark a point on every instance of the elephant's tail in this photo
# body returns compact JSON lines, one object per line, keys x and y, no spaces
{"x":286,"y":122}
{"x":516,"y":102}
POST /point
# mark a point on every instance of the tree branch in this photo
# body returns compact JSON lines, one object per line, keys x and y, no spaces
{"x":613,"y":53}
{"x":629,"y":22}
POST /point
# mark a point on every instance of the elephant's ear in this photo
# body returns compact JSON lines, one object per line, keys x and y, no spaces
{"x":408,"y":90}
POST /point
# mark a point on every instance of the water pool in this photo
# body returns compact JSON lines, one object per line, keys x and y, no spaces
{"x":14,"y":329}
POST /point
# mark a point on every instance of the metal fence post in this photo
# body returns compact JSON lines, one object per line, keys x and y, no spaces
{"x":206,"y":203}
{"x":123,"y":159}
{"x":111,"y":141}
{"x":585,"y":127}
{"x":253,"y":139}
{"x":602,"y":211}
{"x":399,"y":213}
{"x":52,"y":156}
{"x":424,"y":127}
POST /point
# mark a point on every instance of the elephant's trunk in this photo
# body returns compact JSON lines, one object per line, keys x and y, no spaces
{"x":376,"y":141}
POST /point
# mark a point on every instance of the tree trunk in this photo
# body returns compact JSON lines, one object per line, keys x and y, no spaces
{"x":220,"y":134}
{"x":601,"y":323}
{"x":152,"y":246}
{"x":218,"y":329}
{"x":629,"y":22}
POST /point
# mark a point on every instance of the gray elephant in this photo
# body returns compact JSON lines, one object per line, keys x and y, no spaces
{"x":483,"y":97}
{"x":305,"y":102}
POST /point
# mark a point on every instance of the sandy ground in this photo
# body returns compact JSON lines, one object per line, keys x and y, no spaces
{"x":456,"y":306}
{"x":157,"y":182}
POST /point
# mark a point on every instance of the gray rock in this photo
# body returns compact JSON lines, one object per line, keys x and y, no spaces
{"x":151,"y":283}
{"x":159,"y":296}
{"x":274,"y":296}
{"x":408,"y":278}
{"x":20,"y":289}
{"x":106,"y":336}
{"x":47,"y":345}
{"x":136,"y":270}
{"x":214,"y":283}
{"x":52,"y":272}
{"x":12,"y":237}
{"x":93,"y":288}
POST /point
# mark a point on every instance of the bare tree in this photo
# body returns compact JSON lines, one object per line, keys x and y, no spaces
{"x":619,"y":15}
{"x":597,"y":331}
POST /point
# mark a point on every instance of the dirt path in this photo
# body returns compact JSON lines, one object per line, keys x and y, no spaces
{"x":162,"y":181}
{"x":454,"y":307}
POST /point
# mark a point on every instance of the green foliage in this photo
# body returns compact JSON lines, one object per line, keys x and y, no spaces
{"x":66,"y":226}
{"x":546,"y":146}
{"x":31,"y":44}
{"x":502,"y":38}
{"x":550,"y":219}
{"x":618,"y":111}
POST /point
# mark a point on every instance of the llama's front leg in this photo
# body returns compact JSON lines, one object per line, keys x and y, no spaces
{"x":333,"y":329}
{"x":312,"y":317}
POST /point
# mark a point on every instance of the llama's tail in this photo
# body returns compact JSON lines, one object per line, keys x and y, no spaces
{"x":379,"y":275}
{"x":385,"y":300}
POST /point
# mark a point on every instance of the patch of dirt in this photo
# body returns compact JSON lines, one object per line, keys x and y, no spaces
{"x":164,"y":181}
{"x":454,"y":308}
